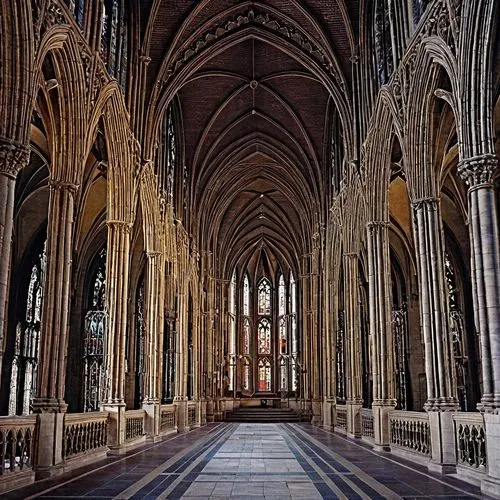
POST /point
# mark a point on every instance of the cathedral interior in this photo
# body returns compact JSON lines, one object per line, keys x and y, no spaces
{"x":218,"y":206}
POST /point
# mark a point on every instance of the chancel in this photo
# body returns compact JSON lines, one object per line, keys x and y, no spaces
{"x":249,"y":242}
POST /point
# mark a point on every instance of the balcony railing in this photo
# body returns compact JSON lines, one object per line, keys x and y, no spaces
{"x":341,"y":417}
{"x":167,"y":418}
{"x":84,"y":433}
{"x":134,"y":424}
{"x":367,"y":423}
{"x":191,"y":415}
{"x":16,"y":444}
{"x":470,"y":439}
{"x":410,"y":431}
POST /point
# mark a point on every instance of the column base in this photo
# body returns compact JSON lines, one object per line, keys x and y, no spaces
{"x":48,"y":472}
{"x":380,"y":411}
{"x":354,"y":418}
{"x":152,"y":408}
{"x":490,"y":487}
{"x":443,"y":452}
{"x":182,"y":415}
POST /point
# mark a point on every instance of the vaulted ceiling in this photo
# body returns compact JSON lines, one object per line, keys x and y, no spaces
{"x":256,"y":83}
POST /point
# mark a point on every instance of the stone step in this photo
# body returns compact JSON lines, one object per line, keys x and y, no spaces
{"x":263,"y":415}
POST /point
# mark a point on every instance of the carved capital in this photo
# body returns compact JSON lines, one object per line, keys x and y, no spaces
{"x":57,"y":185}
{"x":119,"y":226}
{"x":429,"y":204}
{"x":478,"y":169}
{"x":375,"y":226}
{"x":13,"y":157}
{"x":49,"y":405}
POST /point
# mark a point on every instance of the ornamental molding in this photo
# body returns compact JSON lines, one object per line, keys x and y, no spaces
{"x":253,"y":17}
{"x":478,"y":169}
{"x":13,"y":157}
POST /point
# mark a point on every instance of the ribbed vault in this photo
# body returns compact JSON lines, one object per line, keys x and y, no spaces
{"x":254,"y":83}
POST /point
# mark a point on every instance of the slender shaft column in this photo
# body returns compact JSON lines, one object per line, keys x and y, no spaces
{"x":441,"y":393}
{"x":381,"y":341}
{"x":154,"y":338}
{"x":353,"y":345}
{"x":305,"y":376}
{"x":181,"y":361}
{"x":13,"y":157}
{"x":485,"y":267}
{"x":49,"y":401}
{"x":117,"y":282}
{"x":429,"y":243}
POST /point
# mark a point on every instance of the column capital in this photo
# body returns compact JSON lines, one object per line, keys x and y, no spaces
{"x":153,"y":255}
{"x":431,"y":202}
{"x":478,"y":170}
{"x":13,"y":157}
{"x":374,"y":225}
{"x":351,"y":255}
{"x":49,"y":405}
{"x":59,"y":185}
{"x":119,"y":225}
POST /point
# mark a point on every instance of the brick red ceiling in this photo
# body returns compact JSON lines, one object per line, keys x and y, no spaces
{"x":244,"y":139}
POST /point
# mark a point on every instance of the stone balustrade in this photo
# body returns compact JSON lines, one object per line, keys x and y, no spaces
{"x":191,"y":415}
{"x":16,"y":443}
{"x":341,"y":422}
{"x":470,"y":439}
{"x":367,"y":430}
{"x":134,"y":424}
{"x":167,"y":418}
{"x":410,"y":431}
{"x":85,"y":433}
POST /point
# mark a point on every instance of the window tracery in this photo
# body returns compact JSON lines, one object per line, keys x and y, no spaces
{"x":264,"y":297}
{"x":232,"y":331}
{"x":94,"y":349}
{"x":140,"y":335}
{"x":27,"y":341}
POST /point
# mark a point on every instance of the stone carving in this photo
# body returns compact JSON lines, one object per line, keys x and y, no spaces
{"x":478,"y":170}
{"x":252,"y":18}
{"x":13,"y":157}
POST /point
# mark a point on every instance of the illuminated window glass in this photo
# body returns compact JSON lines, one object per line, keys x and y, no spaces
{"x":264,"y":297}
{"x":264,"y":341}
{"x":264,"y":375}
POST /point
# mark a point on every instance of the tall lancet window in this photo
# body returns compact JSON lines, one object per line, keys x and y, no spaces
{"x":140,"y":345}
{"x":114,"y":40}
{"x":294,"y":334}
{"x":77,"y":7}
{"x":245,"y":344}
{"x":283,"y":334}
{"x":232,"y":331}
{"x":264,"y":328}
{"x":166,"y":163}
{"x":27,"y":342}
{"x":94,"y":349}
{"x":264,"y":292}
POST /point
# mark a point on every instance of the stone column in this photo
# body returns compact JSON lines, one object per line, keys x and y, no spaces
{"x":354,"y":399}
{"x":441,"y":395}
{"x":485,"y":267}
{"x":13,"y":157}
{"x":154,"y":338}
{"x":117,"y":282}
{"x":49,"y":401}
{"x":381,"y":341}
{"x":181,"y":363}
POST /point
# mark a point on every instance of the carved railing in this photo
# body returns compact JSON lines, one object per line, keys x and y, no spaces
{"x":16,"y":443}
{"x":84,"y":433}
{"x":341,"y":417}
{"x":134,"y":424}
{"x":470,"y":439}
{"x":167,"y":418}
{"x":410,"y":431}
{"x":367,"y":423}
{"x":191,"y":415}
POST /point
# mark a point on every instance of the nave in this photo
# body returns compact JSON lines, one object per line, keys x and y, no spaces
{"x":267,"y":461}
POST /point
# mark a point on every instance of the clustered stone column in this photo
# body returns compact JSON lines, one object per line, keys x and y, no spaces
{"x":441,"y":394}
{"x":13,"y":157}
{"x":49,"y":401}
{"x":154,"y":341}
{"x":485,"y":267}
{"x":353,"y":369}
{"x":117,"y":281}
{"x":382,"y":355}
{"x":181,"y":362}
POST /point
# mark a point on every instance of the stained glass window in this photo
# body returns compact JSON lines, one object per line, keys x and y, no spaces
{"x":246,"y":296}
{"x":95,"y":337}
{"x":140,"y":335}
{"x":264,"y":340}
{"x":264,"y":375}
{"x":246,"y":336}
{"x":27,"y":341}
{"x":246,"y":374}
{"x":232,"y":330}
{"x":294,"y":334}
{"x":283,"y":374}
{"x":264,"y":297}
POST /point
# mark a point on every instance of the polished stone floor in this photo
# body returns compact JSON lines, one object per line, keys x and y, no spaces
{"x":251,"y":461}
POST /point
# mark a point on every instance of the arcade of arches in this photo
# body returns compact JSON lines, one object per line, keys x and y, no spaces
{"x":207,"y":204}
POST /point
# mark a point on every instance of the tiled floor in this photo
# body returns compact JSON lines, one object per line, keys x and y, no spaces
{"x":267,"y":461}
